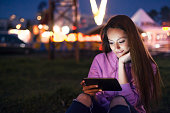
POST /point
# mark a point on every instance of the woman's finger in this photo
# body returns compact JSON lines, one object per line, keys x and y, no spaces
{"x":92,"y":94}
{"x":92,"y":91}
{"x":90,"y":87}
{"x":82,"y":83}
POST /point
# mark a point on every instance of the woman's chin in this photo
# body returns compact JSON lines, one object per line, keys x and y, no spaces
{"x":118,"y":56}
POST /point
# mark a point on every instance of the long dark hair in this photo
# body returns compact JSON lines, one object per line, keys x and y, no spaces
{"x":147,"y":82}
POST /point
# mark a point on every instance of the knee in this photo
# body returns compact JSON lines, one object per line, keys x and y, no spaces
{"x":118,"y":101}
{"x":84,"y":99}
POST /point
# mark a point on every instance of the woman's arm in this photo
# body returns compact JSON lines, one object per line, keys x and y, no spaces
{"x":121,"y":70}
{"x":128,"y":91}
{"x":122,"y":74}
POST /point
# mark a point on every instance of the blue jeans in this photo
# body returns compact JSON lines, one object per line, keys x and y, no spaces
{"x":77,"y":107}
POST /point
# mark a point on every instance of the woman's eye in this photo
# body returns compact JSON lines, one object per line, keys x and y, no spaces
{"x":122,"y":41}
{"x":111,"y":42}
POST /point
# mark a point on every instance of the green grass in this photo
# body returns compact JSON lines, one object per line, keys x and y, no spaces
{"x":34,"y":84}
{"x":164,"y":67}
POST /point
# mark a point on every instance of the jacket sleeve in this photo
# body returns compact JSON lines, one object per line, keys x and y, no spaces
{"x":95,"y":69}
{"x":130,"y":93}
{"x":129,"y":90}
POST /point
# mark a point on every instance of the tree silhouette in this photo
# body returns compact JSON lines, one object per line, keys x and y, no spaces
{"x":42,"y":6}
{"x":154,"y":15}
{"x":43,"y":12}
{"x":165,"y":14}
{"x":160,"y":17}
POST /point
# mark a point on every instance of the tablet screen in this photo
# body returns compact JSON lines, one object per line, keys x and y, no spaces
{"x":106,"y":84}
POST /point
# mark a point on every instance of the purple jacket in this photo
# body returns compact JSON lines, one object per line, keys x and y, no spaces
{"x":107,"y":67}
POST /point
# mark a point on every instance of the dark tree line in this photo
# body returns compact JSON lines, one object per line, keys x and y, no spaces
{"x":162,"y":16}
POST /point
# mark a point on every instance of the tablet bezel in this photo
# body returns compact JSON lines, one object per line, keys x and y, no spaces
{"x":106,"y":84}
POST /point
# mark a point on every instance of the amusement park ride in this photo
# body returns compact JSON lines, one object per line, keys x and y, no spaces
{"x":66,"y":9}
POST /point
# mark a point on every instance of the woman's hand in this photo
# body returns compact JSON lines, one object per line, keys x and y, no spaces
{"x":125,"y":58}
{"x":122,"y":74}
{"x":91,"y":90}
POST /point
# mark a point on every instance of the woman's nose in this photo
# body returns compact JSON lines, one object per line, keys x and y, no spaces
{"x":117,"y":46}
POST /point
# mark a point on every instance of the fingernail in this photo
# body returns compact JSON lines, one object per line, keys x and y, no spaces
{"x":100,"y":89}
{"x":96,"y":85}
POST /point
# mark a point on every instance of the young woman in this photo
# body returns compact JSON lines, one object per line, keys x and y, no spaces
{"x":125,"y":58}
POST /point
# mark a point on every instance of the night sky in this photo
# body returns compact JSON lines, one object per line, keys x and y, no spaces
{"x":28,"y":8}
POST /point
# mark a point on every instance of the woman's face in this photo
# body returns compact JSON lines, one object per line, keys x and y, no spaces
{"x":118,"y":41}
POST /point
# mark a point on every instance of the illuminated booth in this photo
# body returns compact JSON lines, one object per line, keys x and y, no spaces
{"x":155,"y":37}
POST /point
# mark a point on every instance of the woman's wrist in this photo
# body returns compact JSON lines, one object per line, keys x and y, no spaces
{"x":125,"y":58}
{"x":121,"y":63}
{"x":122,"y":73}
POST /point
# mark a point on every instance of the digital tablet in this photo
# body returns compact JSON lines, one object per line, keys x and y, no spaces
{"x":106,"y":84}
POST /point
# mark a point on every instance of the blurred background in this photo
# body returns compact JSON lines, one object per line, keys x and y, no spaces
{"x":41,"y":39}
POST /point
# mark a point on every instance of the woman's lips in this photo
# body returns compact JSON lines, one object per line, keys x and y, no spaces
{"x":119,"y":52}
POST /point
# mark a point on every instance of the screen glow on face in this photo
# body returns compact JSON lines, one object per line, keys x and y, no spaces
{"x":118,"y":41}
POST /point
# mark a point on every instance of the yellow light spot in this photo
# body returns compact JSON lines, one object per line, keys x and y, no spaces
{"x":40,"y":26}
{"x":71,"y":37}
{"x":165,"y":28}
{"x":65,"y":29}
{"x":18,"y":26}
{"x":56,"y":28}
{"x":157,"y":45}
{"x":38,"y":17}
{"x":144,"y":34}
{"x":12,"y":17}
{"x":46,"y":27}
{"x":22,"y":20}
